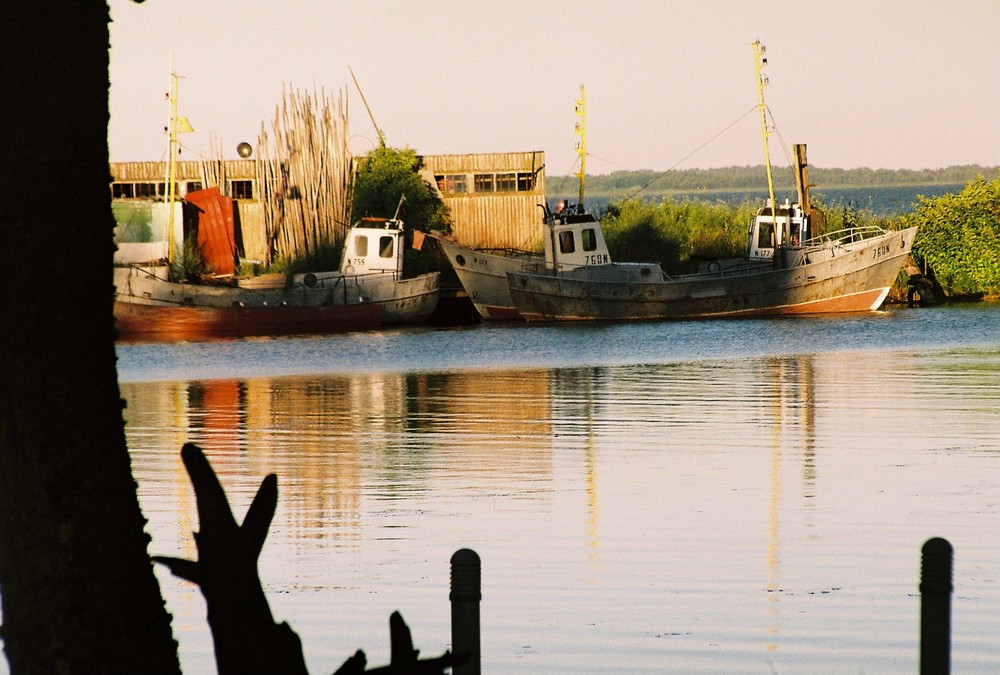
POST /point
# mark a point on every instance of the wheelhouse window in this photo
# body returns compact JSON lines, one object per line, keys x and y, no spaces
{"x":566,"y":243}
{"x":588,"y":239}
{"x":385,"y":247}
{"x":361,"y":245}
{"x":765,"y":235}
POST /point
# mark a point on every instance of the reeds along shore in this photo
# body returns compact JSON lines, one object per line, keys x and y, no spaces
{"x":304,"y":173}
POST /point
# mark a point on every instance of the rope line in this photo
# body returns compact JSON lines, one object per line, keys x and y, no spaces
{"x":693,"y":152}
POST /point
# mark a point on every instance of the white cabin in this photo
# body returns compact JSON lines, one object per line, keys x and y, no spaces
{"x":787,"y":226}
{"x":574,"y":240}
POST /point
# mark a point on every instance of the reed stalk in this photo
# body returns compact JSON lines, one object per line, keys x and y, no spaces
{"x":304,"y":174}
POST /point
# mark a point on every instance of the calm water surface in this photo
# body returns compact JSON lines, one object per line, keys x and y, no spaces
{"x":717,"y":497}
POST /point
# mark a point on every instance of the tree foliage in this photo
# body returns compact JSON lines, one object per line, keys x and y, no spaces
{"x":386,"y":174}
{"x":959,"y":237}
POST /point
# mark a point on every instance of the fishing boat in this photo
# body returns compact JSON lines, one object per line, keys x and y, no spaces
{"x":367,"y":292}
{"x":483,"y":271}
{"x":790,"y":267}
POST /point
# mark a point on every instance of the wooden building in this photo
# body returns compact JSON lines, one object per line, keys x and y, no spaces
{"x":494,"y":199}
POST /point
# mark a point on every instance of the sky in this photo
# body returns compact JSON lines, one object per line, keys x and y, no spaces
{"x":893,"y":84}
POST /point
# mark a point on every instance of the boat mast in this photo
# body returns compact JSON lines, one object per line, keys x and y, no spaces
{"x":581,"y":146}
{"x":759,"y":62}
{"x":171,"y":165}
{"x":178,"y":125}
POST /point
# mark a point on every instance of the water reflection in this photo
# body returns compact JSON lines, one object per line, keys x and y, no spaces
{"x":690,"y":513}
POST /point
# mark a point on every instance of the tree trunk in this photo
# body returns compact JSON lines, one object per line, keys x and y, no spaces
{"x":77,"y":588}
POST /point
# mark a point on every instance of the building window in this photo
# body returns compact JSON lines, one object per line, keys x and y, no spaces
{"x":506,"y":182}
{"x":122,"y":190}
{"x":147,"y":190}
{"x":525,"y":181}
{"x":241,"y":189}
{"x":192,"y":186}
{"x":454,"y":183}
{"x":484,"y":182}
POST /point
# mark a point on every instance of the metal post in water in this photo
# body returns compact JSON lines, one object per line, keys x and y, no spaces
{"x":935,"y":607}
{"x":465,"y":596}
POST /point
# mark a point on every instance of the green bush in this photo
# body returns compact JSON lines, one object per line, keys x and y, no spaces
{"x":959,"y":237}
{"x":677,"y":234}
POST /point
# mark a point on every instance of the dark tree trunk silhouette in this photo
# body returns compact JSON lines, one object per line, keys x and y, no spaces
{"x":77,"y":587}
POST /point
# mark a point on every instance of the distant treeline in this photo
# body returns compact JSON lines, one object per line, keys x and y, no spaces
{"x":624,"y":183}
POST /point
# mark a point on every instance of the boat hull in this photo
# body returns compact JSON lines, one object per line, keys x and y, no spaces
{"x":836,"y":277}
{"x":403,"y":300}
{"x":148,"y":307}
{"x":157,"y":323}
{"x":483,"y":275}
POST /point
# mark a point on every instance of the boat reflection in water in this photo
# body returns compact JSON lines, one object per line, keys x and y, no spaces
{"x":734,"y":515}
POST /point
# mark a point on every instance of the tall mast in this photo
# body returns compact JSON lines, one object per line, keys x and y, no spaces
{"x":759,"y":62}
{"x":581,"y":146}
{"x":172,"y":165}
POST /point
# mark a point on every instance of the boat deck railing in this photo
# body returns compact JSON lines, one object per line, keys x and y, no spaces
{"x":847,"y":235}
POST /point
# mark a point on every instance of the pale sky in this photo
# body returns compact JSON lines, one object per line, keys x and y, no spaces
{"x":864,"y":83}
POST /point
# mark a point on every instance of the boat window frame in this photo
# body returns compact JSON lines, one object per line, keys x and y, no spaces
{"x":361,"y":245}
{"x":588,"y":239}
{"x":567,"y":242}
{"x":386,"y":246}
{"x":762,"y":227}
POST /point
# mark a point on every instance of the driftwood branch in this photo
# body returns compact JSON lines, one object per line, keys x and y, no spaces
{"x":247,"y":640}
{"x":243,"y":630}
{"x":404,"y":658}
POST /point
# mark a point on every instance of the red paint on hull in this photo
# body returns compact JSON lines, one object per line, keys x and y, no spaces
{"x":152,"y":323}
{"x":502,"y":313}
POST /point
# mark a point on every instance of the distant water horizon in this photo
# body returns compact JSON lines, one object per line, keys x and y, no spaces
{"x":886,"y":201}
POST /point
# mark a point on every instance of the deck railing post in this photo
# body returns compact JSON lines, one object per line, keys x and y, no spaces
{"x":935,"y":607}
{"x":465,"y":596}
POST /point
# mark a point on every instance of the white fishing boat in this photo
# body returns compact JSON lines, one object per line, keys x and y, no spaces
{"x":372,"y":264}
{"x":153,"y":303}
{"x":367,"y":292}
{"x":790,"y":267}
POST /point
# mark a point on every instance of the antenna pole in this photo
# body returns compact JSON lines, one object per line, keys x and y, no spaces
{"x":759,"y":62}
{"x":581,"y":146}
{"x":381,"y":138}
